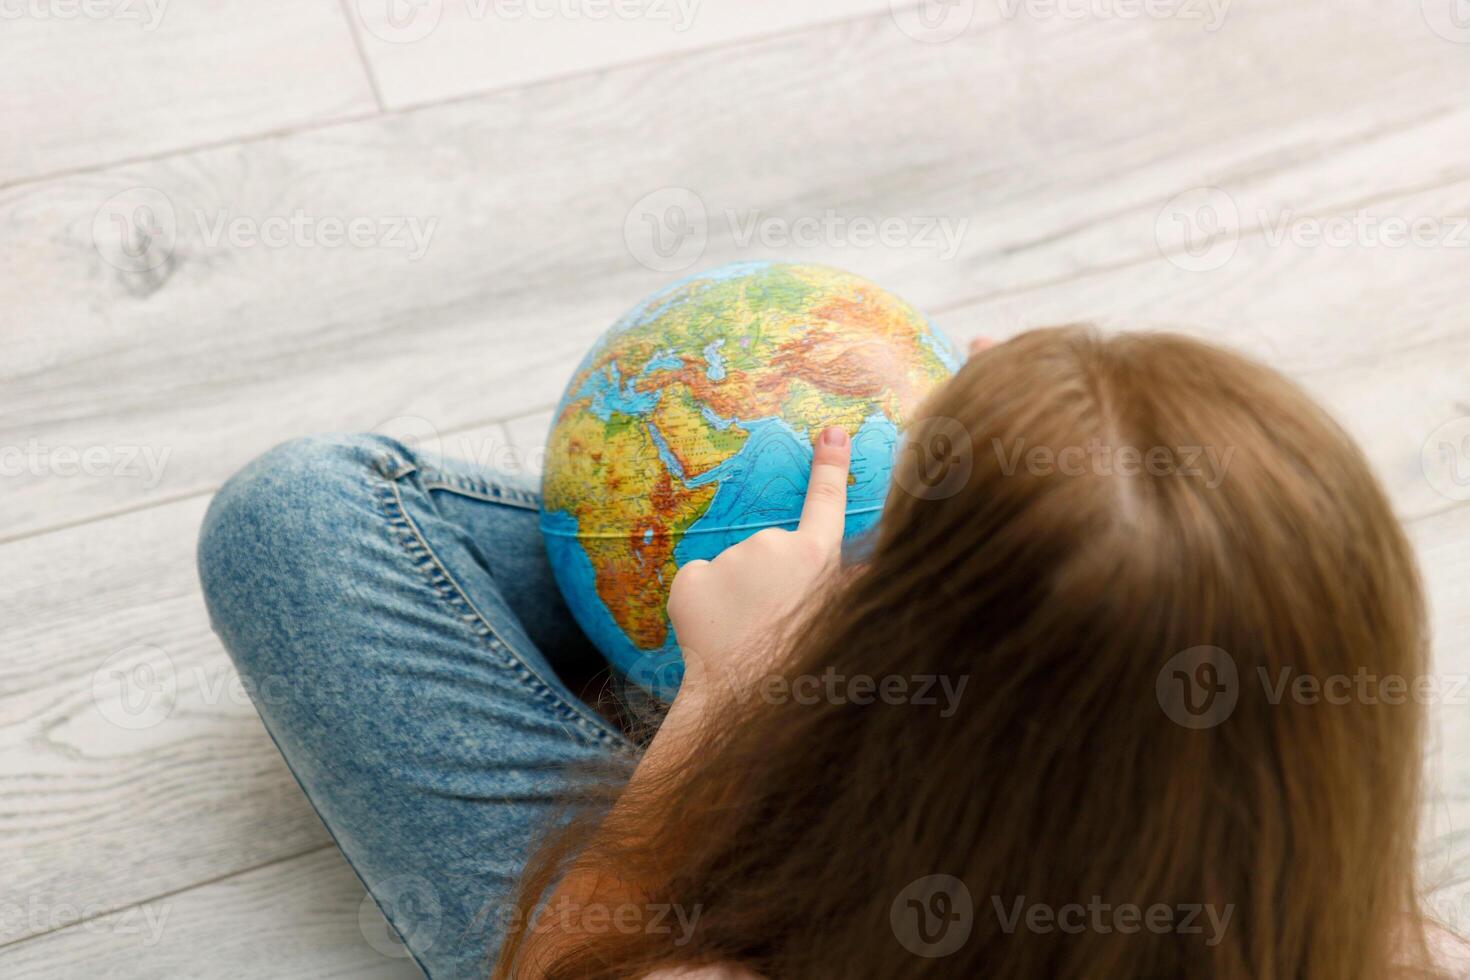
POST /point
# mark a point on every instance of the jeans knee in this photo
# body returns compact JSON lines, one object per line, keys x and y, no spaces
{"x":277,"y":518}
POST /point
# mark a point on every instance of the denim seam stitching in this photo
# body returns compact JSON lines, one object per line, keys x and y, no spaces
{"x":444,"y":585}
{"x":480,"y":490}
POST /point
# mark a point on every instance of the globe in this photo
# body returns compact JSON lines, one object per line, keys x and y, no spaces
{"x":690,"y":426}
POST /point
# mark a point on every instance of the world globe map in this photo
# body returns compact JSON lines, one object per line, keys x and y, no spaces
{"x":690,"y":425}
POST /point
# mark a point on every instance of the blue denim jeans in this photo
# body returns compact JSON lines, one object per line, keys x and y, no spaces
{"x":400,"y":632}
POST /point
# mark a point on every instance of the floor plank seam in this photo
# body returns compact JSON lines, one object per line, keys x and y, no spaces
{"x":164,"y":896}
{"x":279,"y":132}
{"x":413,"y":107}
{"x":355,"y":30}
{"x":183,"y":495}
{"x":1243,"y":234}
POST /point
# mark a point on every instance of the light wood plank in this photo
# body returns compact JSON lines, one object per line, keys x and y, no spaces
{"x":1067,"y":138}
{"x":111,"y":802}
{"x":152,"y":76}
{"x":1380,"y":335}
{"x":527,"y":433}
{"x":104,"y":806}
{"x":222,"y":350}
{"x":447,"y":48}
{"x":301,"y":919}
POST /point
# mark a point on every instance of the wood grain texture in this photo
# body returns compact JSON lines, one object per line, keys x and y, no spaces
{"x":115,"y":794}
{"x":151,"y":76}
{"x":224,"y":348}
{"x":1379,"y":334}
{"x":302,"y":919}
{"x":176,"y":345}
{"x":449,"y":48}
{"x":111,"y":802}
{"x":527,"y":433}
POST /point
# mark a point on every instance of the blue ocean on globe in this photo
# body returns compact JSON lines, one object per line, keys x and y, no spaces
{"x":690,"y":426}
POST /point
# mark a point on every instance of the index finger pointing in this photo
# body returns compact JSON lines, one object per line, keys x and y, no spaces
{"x":825,"y":509}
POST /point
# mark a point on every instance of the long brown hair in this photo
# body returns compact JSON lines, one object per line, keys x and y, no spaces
{"x":1145,"y":546}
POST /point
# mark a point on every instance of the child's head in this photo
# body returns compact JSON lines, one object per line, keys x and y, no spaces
{"x":1188,"y":616}
{"x":1104,"y":570}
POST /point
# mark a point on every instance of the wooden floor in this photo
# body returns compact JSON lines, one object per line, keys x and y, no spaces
{"x":154,"y":341}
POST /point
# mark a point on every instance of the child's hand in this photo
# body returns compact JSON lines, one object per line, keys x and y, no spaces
{"x":727,"y":612}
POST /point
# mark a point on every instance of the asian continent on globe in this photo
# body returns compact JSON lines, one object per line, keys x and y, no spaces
{"x":690,"y":426}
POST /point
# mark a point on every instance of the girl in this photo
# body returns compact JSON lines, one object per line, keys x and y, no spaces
{"x":1052,"y":726}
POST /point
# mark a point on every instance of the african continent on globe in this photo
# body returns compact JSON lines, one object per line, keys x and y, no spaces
{"x":690,"y":426}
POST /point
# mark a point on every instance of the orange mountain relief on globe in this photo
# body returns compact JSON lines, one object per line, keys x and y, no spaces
{"x":811,"y":345}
